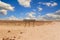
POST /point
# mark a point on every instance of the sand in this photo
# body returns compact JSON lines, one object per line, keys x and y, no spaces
{"x":41,"y":30}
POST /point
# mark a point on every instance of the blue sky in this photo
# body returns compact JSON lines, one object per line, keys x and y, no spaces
{"x":37,"y":7}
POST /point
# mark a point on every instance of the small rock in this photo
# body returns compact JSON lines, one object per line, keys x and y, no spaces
{"x":9,"y":31}
{"x":14,"y":37}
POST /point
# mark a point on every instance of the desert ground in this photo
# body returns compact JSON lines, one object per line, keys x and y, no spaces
{"x":29,"y":30}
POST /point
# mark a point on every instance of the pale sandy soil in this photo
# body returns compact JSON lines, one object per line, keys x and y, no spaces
{"x":38,"y":31}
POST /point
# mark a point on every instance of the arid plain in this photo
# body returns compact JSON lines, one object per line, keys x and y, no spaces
{"x":29,"y":30}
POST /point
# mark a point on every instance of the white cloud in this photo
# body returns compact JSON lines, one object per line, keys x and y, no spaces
{"x":31,"y":15}
{"x":9,"y":18}
{"x":51,"y":16}
{"x":49,"y":4}
{"x":4,"y":7}
{"x":12,"y":18}
{"x":3,"y":11}
{"x":46,"y":17}
{"x":25,"y":3}
{"x":54,"y":4}
{"x":40,"y":9}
